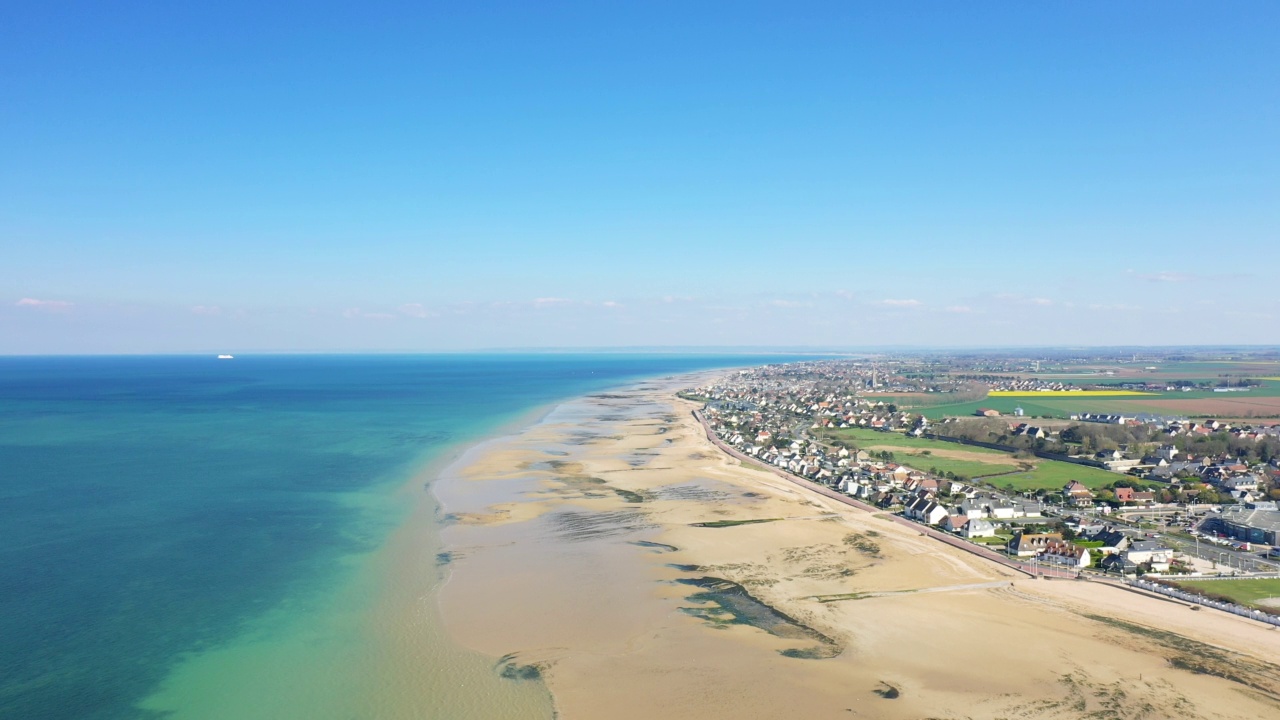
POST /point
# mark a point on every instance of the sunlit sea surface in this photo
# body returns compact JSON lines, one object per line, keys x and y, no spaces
{"x":187,"y":537}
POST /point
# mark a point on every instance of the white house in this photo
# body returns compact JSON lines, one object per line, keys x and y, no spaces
{"x":1002,"y":509}
{"x":1066,"y":555}
{"x":926,"y":511}
{"x":1247,"y":483}
{"x":1147,"y":551}
{"x":977,"y":528}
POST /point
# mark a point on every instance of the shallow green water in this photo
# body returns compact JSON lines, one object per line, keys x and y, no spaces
{"x":191,"y":538}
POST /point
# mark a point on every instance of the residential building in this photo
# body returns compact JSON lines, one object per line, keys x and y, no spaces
{"x":1029,"y":544}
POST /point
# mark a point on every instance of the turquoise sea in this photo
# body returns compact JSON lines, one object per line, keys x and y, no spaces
{"x":188,"y":537}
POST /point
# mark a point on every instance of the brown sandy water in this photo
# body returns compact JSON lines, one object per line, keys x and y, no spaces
{"x":591,"y":550}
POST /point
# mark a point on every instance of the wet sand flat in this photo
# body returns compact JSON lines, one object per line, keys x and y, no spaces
{"x":613,"y":551}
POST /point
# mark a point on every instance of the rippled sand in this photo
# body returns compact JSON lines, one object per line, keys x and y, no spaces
{"x":592,"y":550}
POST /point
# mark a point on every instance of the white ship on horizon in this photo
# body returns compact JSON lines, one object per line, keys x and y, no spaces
{"x":226,"y":357}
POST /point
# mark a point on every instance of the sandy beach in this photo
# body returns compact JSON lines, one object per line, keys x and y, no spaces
{"x":603,"y":550}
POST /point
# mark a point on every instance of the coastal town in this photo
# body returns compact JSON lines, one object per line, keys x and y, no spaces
{"x":1160,"y":499}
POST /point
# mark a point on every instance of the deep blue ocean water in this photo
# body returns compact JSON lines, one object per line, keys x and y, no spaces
{"x":152,"y":506}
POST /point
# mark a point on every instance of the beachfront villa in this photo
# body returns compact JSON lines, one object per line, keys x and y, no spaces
{"x":1066,"y":555}
{"x":978,"y":528}
{"x":1030,"y":544}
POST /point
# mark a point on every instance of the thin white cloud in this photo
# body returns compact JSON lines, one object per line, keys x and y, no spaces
{"x":417,"y":310}
{"x":910,"y":303}
{"x":1167,"y":276}
{"x":49,"y":305}
{"x":551,"y":301}
{"x":789,"y":303}
{"x":206,"y":310}
{"x":611,"y":304}
{"x":1014,"y":299}
{"x":357,"y":313}
{"x":959,"y":309}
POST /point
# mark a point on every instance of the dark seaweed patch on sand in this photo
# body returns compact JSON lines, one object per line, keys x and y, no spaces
{"x":661,"y":547}
{"x":579,"y":526}
{"x":628,"y":495}
{"x":639,"y":458}
{"x":732,"y":523}
{"x":887,"y":691}
{"x":727,"y":603}
{"x":508,"y":668}
{"x":863,"y":542}
{"x":697,"y":493}
{"x":583,"y":480}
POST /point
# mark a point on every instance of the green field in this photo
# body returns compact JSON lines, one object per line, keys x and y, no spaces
{"x":1054,"y":475}
{"x":863,"y":438}
{"x":1218,"y":366}
{"x":1268,"y":388}
{"x":1047,"y":474}
{"x":1058,"y":407}
{"x":1061,"y":407}
{"x":1245,"y":592}
{"x":1182,"y":370}
{"x":968,"y":468}
{"x":915,"y":401}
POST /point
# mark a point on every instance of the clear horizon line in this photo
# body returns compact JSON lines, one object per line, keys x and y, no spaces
{"x":675,"y":349}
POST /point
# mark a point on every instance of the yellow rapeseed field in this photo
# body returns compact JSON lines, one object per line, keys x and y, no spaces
{"x":1064,"y":393}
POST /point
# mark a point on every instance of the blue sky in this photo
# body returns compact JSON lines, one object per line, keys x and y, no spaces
{"x":393,"y":176}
